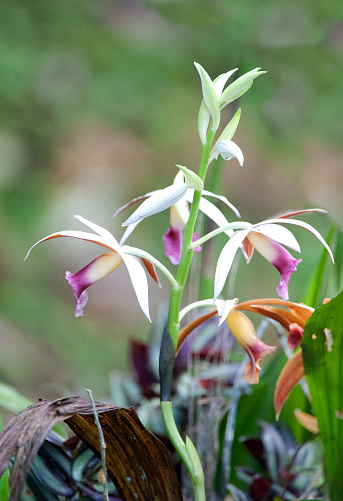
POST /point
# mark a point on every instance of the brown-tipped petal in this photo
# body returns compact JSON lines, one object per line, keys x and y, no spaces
{"x":190,"y":328}
{"x":309,"y":422}
{"x":291,"y":374}
{"x":297,"y":212}
{"x":150,"y":268}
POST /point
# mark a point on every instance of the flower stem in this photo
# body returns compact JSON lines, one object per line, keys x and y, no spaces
{"x":167,"y":361}
{"x":236,"y":225}
{"x":193,"y":466}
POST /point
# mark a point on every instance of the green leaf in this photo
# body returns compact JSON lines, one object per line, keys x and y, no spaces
{"x":339,"y":260}
{"x":4,"y":487}
{"x":315,"y":285}
{"x":323,"y":369}
{"x":11,"y":399}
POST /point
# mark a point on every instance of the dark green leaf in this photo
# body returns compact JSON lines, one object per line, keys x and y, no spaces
{"x":80,"y":464}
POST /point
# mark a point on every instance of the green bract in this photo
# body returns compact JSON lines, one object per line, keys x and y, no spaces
{"x":193,"y":181}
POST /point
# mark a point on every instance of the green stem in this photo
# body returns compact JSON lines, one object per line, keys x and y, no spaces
{"x":192,"y":463}
{"x":187,"y":248}
{"x":236,"y":225}
{"x":194,"y":470}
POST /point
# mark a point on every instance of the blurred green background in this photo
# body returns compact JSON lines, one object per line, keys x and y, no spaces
{"x":98,"y":102}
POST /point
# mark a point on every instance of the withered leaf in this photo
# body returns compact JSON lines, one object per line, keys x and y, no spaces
{"x":137,"y":462}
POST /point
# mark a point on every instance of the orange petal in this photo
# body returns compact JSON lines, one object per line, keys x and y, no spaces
{"x":269,"y":307}
{"x":290,"y":376}
{"x":307,"y":421}
{"x":190,"y":328}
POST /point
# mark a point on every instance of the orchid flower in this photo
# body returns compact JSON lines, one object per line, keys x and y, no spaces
{"x":240,"y":326}
{"x":106,"y":263}
{"x":286,"y":313}
{"x":268,"y":238}
{"x":179,"y":214}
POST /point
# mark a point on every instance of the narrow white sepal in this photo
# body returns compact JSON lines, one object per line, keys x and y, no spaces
{"x":128,"y":232}
{"x":222,"y":199}
{"x":139,"y":282}
{"x":159,"y":201}
{"x":225,"y":260}
{"x":101,"y":231}
{"x":228,"y":149}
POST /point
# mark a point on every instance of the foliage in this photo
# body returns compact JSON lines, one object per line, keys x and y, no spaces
{"x":286,"y":470}
{"x":322,"y":354}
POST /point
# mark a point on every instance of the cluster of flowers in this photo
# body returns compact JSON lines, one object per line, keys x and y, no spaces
{"x":267,"y":237}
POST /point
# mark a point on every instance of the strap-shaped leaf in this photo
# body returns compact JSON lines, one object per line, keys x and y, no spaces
{"x":323,"y":364}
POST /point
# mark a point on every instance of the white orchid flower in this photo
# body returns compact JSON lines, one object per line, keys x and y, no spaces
{"x":268,"y":238}
{"x":103,"y":265}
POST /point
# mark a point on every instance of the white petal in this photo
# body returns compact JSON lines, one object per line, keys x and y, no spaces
{"x":100,"y":230}
{"x":228,"y":149}
{"x":222,"y":199}
{"x":279,"y":234}
{"x":158,"y":202}
{"x":128,"y":232}
{"x":139,"y":282}
{"x":224,"y":308}
{"x":82,"y":235}
{"x":304,"y":225}
{"x":225,"y":260}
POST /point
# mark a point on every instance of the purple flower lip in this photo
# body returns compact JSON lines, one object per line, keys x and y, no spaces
{"x":173,"y":244}
{"x":278,"y":256}
{"x":97,"y":269}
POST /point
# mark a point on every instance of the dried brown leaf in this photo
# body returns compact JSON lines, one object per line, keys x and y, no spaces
{"x":137,"y":461}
